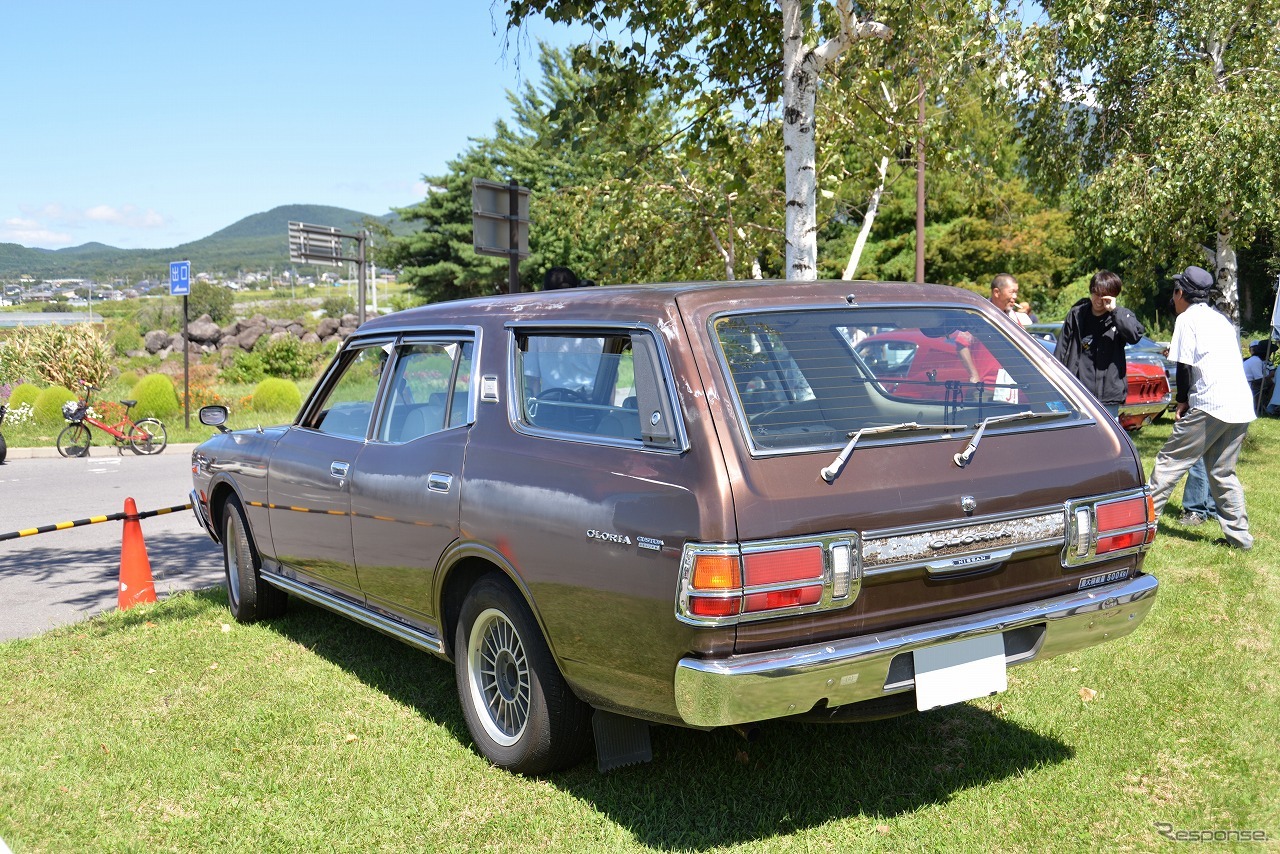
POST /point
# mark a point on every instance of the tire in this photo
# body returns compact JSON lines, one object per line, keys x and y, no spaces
{"x":250,"y":597}
{"x":74,"y":441}
{"x":521,"y":713}
{"x":4,"y":449}
{"x":148,"y":436}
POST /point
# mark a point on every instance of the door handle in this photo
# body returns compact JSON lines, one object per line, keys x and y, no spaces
{"x":439,"y":481}
{"x":339,"y":469}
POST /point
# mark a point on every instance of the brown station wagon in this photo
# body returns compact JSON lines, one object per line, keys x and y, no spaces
{"x":692,"y":504}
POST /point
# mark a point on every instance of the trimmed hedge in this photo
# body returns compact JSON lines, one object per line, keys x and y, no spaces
{"x":156,"y":396}
{"x":274,"y":395}
{"x":23,"y":393}
{"x":48,"y":405}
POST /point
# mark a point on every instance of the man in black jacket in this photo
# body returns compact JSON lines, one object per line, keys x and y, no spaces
{"x":1093,"y":338}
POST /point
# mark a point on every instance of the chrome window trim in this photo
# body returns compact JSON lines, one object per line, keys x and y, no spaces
{"x":1082,"y":415}
{"x":514,"y":384}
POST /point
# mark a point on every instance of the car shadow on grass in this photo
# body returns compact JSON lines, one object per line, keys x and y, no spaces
{"x":711,"y":789}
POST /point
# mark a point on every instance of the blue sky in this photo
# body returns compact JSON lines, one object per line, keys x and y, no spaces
{"x":145,"y":124}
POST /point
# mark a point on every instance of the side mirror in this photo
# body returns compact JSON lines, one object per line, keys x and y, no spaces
{"x":215,"y":416}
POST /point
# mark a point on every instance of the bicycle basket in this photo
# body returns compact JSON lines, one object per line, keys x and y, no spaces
{"x":74,"y":411}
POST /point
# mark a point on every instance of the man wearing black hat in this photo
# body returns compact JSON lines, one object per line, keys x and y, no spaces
{"x":1214,"y":406}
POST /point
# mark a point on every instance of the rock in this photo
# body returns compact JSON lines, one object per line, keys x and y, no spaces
{"x":156,"y":340}
{"x":310,"y":338}
{"x":249,"y":337}
{"x":231,"y":330}
{"x":204,"y":331}
{"x":327,"y":327}
{"x":349,"y":321}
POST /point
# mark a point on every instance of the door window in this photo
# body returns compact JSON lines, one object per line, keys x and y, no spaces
{"x":429,"y":389}
{"x":347,"y":405}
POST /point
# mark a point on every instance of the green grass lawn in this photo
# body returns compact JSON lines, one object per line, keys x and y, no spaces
{"x":171,"y":728}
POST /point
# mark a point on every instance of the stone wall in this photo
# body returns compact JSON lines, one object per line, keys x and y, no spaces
{"x":208,"y":337}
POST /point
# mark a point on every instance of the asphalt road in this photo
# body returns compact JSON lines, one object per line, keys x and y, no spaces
{"x":65,"y":576}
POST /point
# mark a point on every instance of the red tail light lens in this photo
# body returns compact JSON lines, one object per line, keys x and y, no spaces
{"x":789,"y":598}
{"x":779,"y":567}
{"x":1124,"y":524}
{"x":706,"y":606}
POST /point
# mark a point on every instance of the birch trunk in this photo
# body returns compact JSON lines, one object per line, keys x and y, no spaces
{"x":1228,"y":277}
{"x":872,"y":207}
{"x":801,"y":66}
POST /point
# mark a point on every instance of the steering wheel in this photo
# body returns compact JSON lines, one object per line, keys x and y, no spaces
{"x":562,"y":394}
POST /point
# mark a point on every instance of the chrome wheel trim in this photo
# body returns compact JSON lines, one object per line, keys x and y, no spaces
{"x":498,"y":677}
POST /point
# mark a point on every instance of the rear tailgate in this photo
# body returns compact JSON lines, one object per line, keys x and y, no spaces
{"x":937,"y":527}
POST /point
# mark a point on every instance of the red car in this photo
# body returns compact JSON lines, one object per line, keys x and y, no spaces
{"x":921,"y":365}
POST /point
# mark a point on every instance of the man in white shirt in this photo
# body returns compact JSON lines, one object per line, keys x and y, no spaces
{"x":1214,"y":415}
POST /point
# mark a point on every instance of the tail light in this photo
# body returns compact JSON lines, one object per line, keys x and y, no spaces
{"x":1109,"y":527}
{"x":725,"y":584}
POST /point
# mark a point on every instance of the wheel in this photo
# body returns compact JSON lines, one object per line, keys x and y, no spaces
{"x":521,"y":713}
{"x":74,"y":441}
{"x":4,"y":449}
{"x":250,"y":597}
{"x":148,"y":436}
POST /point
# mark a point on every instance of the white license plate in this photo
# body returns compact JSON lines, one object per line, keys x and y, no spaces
{"x":955,"y":672}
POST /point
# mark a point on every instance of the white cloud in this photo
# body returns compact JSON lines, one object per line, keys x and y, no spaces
{"x":53,"y":226}
{"x":30,"y":232}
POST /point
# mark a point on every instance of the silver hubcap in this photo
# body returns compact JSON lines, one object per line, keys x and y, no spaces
{"x":499,"y":676}
{"x":230,"y":542}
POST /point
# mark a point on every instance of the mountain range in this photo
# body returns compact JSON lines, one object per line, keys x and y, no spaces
{"x":257,"y":242}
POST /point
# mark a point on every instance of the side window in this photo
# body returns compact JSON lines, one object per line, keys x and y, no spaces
{"x":347,"y":406}
{"x":594,"y":384}
{"x":428,"y":390}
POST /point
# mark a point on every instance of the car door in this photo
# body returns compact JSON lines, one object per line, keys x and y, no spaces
{"x":405,"y":488}
{"x":309,"y":477}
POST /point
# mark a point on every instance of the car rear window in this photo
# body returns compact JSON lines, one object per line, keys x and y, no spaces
{"x":811,"y":378}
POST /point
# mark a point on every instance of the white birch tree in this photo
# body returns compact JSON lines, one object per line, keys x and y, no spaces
{"x":727,"y":56}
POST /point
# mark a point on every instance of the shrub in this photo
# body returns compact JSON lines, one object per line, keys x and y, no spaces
{"x":125,"y":337}
{"x":128,"y":380}
{"x":48,"y":405}
{"x":245,"y":368}
{"x":59,"y":355}
{"x":24,"y":393}
{"x":286,"y":356}
{"x":213,"y":300}
{"x":338,"y":305}
{"x":276,"y":395}
{"x":156,"y":396}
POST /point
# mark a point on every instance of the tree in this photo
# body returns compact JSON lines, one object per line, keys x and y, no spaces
{"x":1162,"y":122}
{"x":722,"y":56}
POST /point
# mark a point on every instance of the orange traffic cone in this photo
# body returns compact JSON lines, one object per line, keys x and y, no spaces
{"x":136,"y":585}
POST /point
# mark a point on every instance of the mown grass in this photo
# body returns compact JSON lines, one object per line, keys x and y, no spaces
{"x":171,"y":728}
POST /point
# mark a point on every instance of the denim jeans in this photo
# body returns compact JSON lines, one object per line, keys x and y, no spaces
{"x":1195,"y":493}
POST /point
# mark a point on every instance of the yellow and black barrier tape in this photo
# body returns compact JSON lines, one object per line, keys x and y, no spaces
{"x":92,"y":520}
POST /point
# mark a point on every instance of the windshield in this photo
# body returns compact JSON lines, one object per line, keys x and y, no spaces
{"x":811,"y":378}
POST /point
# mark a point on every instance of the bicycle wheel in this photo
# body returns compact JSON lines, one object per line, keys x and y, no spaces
{"x":148,"y":436}
{"x":74,"y":441}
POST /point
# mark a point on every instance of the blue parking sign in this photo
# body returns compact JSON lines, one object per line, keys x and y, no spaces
{"x":179,"y":278}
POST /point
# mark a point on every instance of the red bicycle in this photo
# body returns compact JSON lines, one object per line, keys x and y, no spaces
{"x":147,"y":436}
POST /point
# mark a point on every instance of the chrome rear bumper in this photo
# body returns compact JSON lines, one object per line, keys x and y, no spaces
{"x":760,"y":686}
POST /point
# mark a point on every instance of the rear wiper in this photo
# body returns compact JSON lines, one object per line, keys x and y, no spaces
{"x":829,"y":473}
{"x":962,"y":458}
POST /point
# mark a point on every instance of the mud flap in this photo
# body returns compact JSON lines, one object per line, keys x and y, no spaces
{"x":620,"y":740}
